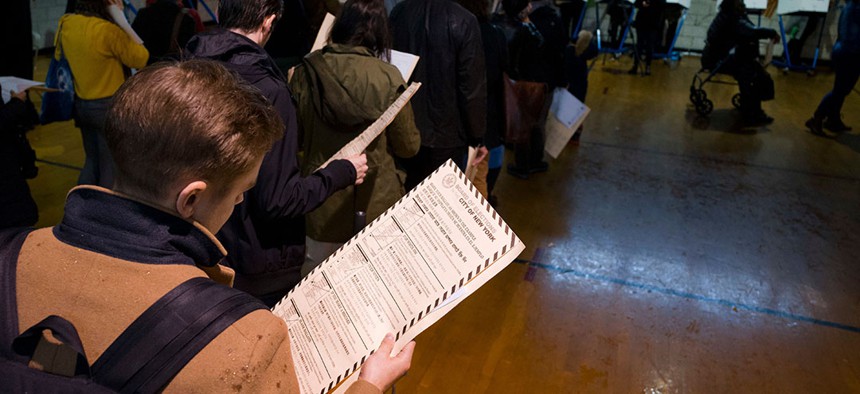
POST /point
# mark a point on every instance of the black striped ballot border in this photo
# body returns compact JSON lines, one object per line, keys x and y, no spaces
{"x":463,"y":281}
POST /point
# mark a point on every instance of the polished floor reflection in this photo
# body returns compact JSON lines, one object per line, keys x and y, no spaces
{"x":667,"y":253}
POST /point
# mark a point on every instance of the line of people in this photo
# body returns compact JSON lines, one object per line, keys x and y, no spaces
{"x":223,"y":141}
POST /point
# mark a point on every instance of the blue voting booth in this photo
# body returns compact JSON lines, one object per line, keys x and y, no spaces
{"x":808,"y":8}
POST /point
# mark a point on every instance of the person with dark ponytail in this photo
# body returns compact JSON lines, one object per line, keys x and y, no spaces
{"x":341,"y":90}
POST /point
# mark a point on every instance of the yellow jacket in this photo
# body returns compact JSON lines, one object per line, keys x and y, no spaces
{"x":96,"y":50}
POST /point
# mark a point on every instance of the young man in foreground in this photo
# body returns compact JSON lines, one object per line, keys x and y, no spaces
{"x":188,"y":140}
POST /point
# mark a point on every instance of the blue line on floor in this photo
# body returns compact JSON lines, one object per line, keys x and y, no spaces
{"x":697,"y":297}
{"x":53,"y":163}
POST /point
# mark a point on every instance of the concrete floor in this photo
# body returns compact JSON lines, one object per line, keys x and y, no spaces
{"x":667,"y":253}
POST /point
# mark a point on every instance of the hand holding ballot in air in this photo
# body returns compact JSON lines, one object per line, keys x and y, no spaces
{"x":382,"y":369}
{"x":359,"y":161}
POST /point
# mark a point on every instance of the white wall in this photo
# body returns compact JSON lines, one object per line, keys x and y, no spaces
{"x":702,"y":12}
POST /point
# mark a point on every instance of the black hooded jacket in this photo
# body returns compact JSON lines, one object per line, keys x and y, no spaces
{"x":265,"y":236}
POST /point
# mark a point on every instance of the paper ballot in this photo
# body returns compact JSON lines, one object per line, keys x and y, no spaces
{"x":405,"y":62}
{"x":10,"y":84}
{"x":360,"y":143}
{"x":441,"y":240}
{"x":324,"y":32}
{"x":471,"y":169}
{"x":566,"y":114}
{"x":119,"y":17}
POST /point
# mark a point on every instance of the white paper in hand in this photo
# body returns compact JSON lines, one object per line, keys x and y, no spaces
{"x":120,"y":20}
{"x":405,"y":62}
{"x":15,"y":84}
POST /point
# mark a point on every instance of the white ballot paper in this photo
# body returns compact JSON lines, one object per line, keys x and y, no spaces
{"x":400,"y":274}
{"x":566,"y":114}
{"x":323,"y":33}
{"x":119,"y":17}
{"x":405,"y":62}
{"x":360,"y":143}
{"x":10,"y":84}
{"x":471,"y":169}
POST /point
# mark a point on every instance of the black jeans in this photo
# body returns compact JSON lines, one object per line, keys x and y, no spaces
{"x":847,"y":69}
{"x":754,"y":82}
{"x":646,"y":40}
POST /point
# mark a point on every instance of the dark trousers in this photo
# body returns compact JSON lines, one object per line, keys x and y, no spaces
{"x":98,"y":165}
{"x":428,"y":160}
{"x":754,"y":82}
{"x":847,"y":72}
{"x":646,"y":40}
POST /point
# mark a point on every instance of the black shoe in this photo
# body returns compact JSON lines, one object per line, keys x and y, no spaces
{"x":758,"y":119}
{"x":634,"y":70}
{"x":539,"y":167}
{"x":518,"y":172}
{"x":835,"y":125}
{"x":647,"y":71}
{"x":814,"y":124}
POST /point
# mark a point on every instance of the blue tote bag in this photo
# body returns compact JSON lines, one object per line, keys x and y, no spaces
{"x":57,"y":106}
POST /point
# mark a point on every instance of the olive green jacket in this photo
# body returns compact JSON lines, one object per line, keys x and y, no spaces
{"x":340,"y":90}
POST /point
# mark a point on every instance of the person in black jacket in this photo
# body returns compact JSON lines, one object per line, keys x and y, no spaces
{"x":165,"y":28}
{"x":649,"y":23}
{"x":17,"y":208}
{"x":451,"y":106}
{"x":732,"y":37}
{"x":496,"y":59}
{"x":265,"y":236}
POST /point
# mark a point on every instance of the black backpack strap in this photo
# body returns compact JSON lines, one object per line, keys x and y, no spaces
{"x":11,"y":242}
{"x":161,"y":341}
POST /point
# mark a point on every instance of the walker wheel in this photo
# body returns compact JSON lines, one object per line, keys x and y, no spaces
{"x":697,"y":96}
{"x":705,"y":107}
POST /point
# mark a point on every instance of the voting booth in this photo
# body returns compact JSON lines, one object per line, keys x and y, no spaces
{"x":809,"y":8}
{"x":598,"y":18}
{"x":670,"y":53}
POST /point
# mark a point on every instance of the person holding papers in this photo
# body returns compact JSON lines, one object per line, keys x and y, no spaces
{"x":342,"y":89}
{"x":266,"y":234}
{"x":99,"y":53}
{"x":451,"y":107}
{"x":189,"y":140}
